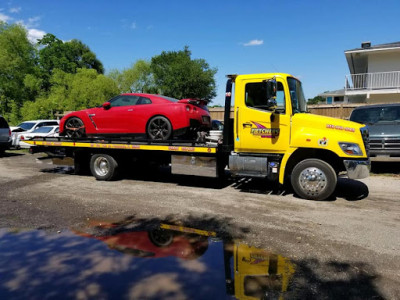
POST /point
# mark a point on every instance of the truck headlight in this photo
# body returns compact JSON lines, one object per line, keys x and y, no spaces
{"x":350,"y":148}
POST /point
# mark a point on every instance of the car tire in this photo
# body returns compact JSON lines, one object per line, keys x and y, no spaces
{"x":104,"y":167}
{"x":74,"y":128}
{"x":313,"y":179}
{"x":161,"y":238}
{"x":159,"y":128}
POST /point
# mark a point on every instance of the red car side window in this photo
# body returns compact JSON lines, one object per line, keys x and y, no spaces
{"x":124,"y":101}
{"x":143,"y":100}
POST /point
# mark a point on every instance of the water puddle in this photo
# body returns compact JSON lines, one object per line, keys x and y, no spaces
{"x":132,"y":260}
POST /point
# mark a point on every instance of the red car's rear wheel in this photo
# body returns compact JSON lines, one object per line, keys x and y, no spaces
{"x":74,"y":128}
{"x":159,"y":128}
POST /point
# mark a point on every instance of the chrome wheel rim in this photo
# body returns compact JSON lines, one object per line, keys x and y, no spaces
{"x":313,"y":181}
{"x":101,"y":166}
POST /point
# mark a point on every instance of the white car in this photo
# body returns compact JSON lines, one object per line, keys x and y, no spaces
{"x":27,"y":127}
{"x":44,"y":131}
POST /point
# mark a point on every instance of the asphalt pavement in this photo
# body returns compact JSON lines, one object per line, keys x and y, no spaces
{"x":347,"y":245}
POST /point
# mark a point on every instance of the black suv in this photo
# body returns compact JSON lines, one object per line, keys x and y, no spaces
{"x":5,"y":135}
{"x":384,"y":129}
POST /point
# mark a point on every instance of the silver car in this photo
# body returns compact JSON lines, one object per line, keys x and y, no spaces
{"x":5,"y":135}
{"x":28,"y":127}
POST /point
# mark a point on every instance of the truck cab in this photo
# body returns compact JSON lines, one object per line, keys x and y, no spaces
{"x":275,"y":137}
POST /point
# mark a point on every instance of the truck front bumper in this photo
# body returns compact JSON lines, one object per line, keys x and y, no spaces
{"x":357,"y":169}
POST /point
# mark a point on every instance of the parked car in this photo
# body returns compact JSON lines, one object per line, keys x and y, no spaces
{"x":155,"y":117}
{"x":44,"y":131}
{"x":5,"y":135}
{"x":384,"y":130}
{"x":27,"y":127}
{"x":217,"y":125}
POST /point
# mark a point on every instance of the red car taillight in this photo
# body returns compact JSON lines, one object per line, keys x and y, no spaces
{"x":9,"y":132}
{"x":22,"y":137}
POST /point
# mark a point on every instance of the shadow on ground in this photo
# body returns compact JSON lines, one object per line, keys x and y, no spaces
{"x":11,"y":154}
{"x":348,"y":189}
{"x":390,"y":168}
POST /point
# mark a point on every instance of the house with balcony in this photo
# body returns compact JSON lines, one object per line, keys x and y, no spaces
{"x":374,"y":76}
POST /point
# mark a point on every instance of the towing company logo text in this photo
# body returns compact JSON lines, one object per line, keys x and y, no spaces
{"x":263,"y":131}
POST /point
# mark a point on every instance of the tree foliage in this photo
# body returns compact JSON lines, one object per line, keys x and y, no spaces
{"x":177,"y":75}
{"x":17,"y":60}
{"x":315,"y":100}
{"x":70,"y":92}
{"x":65,"y":56}
{"x":53,"y":76}
{"x":138,"y":78}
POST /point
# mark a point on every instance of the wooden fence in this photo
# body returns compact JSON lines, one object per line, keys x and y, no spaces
{"x":340,"y":111}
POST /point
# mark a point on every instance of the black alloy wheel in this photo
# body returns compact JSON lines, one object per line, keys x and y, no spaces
{"x":159,"y":128}
{"x":74,"y":128}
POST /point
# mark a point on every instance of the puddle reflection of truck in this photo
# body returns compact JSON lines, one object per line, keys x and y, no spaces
{"x":270,"y":136}
{"x":250,"y":273}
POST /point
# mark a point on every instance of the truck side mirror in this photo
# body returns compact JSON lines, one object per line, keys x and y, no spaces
{"x":271,"y":104}
{"x":271,"y":88}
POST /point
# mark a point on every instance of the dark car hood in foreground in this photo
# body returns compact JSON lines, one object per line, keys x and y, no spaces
{"x":384,"y":130}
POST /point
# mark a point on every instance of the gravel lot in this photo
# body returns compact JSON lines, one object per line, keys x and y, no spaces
{"x":346,"y":247}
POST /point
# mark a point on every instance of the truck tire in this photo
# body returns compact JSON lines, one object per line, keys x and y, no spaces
{"x":313,"y":179}
{"x":104,"y":167}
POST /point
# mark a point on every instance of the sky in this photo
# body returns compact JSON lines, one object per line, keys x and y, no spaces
{"x":304,"y":38}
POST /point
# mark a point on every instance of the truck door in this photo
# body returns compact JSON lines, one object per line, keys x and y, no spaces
{"x":258,"y":130}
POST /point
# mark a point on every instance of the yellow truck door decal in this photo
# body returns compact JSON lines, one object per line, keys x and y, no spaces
{"x":263,"y":131}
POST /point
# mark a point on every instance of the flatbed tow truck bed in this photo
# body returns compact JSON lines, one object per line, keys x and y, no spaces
{"x":105,"y":157}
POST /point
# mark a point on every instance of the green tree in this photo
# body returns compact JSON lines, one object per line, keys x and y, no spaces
{"x":17,"y":60}
{"x":70,"y":92}
{"x":138,"y":78}
{"x":177,"y":75}
{"x":66,"y":56}
{"x":315,"y":100}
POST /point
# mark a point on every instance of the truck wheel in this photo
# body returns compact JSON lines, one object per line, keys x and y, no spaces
{"x":104,"y":167}
{"x":159,"y":128}
{"x":313,"y":179}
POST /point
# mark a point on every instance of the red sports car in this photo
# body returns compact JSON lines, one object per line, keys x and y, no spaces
{"x":156,"y":117}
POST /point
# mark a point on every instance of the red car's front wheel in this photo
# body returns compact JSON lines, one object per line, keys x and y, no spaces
{"x":159,"y":128}
{"x":74,"y":128}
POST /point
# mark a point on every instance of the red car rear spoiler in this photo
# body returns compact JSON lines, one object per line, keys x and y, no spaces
{"x":197,"y":102}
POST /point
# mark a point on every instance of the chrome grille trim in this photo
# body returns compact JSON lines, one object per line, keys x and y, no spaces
{"x":365,"y":136}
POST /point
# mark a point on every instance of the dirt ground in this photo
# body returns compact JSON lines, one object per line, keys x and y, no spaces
{"x":347,"y":246}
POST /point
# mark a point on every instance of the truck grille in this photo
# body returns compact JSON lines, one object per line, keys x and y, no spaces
{"x":365,"y":137}
{"x":385,"y":143}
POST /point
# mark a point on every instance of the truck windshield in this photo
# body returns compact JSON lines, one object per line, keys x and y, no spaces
{"x":299,"y":104}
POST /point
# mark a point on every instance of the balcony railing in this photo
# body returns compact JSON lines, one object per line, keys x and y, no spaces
{"x":371,"y":81}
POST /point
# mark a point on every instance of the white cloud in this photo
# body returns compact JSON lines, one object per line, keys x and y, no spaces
{"x":254,"y":43}
{"x":5,"y":18}
{"x":33,"y":22}
{"x":35,"y":34}
{"x":15,"y":10}
{"x":133,"y":25}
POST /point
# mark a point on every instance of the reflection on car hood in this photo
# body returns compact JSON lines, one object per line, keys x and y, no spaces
{"x":384,"y":130}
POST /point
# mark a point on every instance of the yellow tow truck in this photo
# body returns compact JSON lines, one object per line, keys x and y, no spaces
{"x":271,"y":135}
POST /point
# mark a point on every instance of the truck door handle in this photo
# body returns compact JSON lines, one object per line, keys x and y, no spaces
{"x":247,"y":125}
{"x":131,"y":109}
